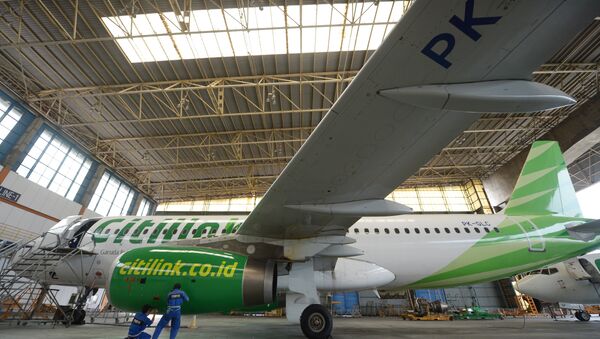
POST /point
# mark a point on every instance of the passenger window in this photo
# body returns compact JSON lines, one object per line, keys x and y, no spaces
{"x":356,"y":230}
{"x":155,"y":231}
{"x":377,"y":230}
{"x":427,"y":230}
{"x":417,"y":230}
{"x":205,"y":231}
{"x":165,"y":231}
{"x":184,"y":232}
{"x":456,"y":230}
{"x":116,"y":231}
{"x":174,"y":231}
{"x":497,"y":229}
{"x":437,"y":230}
{"x":487,"y":230}
{"x":107,"y":231}
{"x":406,"y":230}
{"x":467,"y":230}
{"x":145,"y":231}
{"x":477,"y":230}
{"x":447,"y":229}
{"x":387,"y":230}
{"x":366,"y":231}
{"x":397,"y":231}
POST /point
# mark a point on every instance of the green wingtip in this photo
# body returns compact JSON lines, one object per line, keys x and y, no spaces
{"x":544,"y":186}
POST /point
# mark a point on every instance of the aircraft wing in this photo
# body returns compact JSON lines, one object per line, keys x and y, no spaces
{"x":438,"y":70}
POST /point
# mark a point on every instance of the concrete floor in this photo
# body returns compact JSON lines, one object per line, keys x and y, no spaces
{"x":246,"y":327}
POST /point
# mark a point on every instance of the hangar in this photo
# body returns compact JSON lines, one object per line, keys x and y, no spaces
{"x":185,"y":113}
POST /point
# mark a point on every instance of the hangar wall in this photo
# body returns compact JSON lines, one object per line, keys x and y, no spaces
{"x":484,"y":295}
{"x":41,"y":153}
{"x":35,"y":211}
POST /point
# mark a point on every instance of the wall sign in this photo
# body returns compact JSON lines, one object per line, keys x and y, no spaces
{"x":9,"y":194}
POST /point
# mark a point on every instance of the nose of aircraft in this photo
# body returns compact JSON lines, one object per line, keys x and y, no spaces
{"x":537,"y":286}
{"x":526,"y":285}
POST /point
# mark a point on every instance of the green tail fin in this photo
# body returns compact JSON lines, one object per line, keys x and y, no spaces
{"x":544,"y":186}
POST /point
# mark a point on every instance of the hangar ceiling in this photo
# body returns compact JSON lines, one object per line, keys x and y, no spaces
{"x":218,"y":126}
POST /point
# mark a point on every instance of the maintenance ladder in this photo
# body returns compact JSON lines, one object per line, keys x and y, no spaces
{"x":22,"y":264}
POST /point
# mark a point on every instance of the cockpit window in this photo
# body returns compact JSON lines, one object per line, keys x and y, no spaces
{"x":544,"y":271}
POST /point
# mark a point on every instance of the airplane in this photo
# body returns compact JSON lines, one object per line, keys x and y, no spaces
{"x":324,"y":224}
{"x":574,"y":281}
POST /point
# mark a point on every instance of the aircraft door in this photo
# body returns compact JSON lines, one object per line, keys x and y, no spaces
{"x":532,"y":232}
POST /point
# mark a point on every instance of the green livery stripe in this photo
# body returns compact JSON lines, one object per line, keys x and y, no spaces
{"x":499,"y":255}
{"x":544,"y":186}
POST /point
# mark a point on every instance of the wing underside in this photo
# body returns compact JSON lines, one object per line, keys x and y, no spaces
{"x":375,"y":136}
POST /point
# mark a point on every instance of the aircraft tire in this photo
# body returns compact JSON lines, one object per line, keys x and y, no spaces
{"x":582,"y":316}
{"x":78,"y":317}
{"x":316,"y":322}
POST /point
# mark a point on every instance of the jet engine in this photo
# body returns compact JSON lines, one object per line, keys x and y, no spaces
{"x":215,"y":280}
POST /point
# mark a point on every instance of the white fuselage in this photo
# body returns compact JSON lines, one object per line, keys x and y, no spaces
{"x":411,"y":247}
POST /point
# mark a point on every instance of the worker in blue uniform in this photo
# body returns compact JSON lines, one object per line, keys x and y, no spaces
{"x":139,"y":323}
{"x":173,"y":314}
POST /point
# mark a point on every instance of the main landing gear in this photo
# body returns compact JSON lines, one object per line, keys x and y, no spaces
{"x":582,"y":316}
{"x":302,"y":302}
{"x":316,"y":322}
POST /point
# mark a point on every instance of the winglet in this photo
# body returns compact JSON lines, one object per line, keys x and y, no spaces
{"x":544,"y":186}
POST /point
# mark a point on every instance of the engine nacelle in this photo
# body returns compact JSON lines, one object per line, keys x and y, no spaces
{"x":215,"y":280}
{"x":348,"y":275}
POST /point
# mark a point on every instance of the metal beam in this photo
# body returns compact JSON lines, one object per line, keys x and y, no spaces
{"x":242,"y":132}
{"x":292,"y":79}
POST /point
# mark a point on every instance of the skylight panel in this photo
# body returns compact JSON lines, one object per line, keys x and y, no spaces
{"x":254,"y":31}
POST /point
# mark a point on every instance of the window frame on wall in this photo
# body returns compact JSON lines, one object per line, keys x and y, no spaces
{"x":63,"y":172}
{"x":8,"y":112}
{"x":103,"y":198}
{"x":145,"y":207}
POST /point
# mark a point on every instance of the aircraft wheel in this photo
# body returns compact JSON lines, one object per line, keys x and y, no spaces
{"x":78,"y":317}
{"x":582,"y":316}
{"x":316,"y":322}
